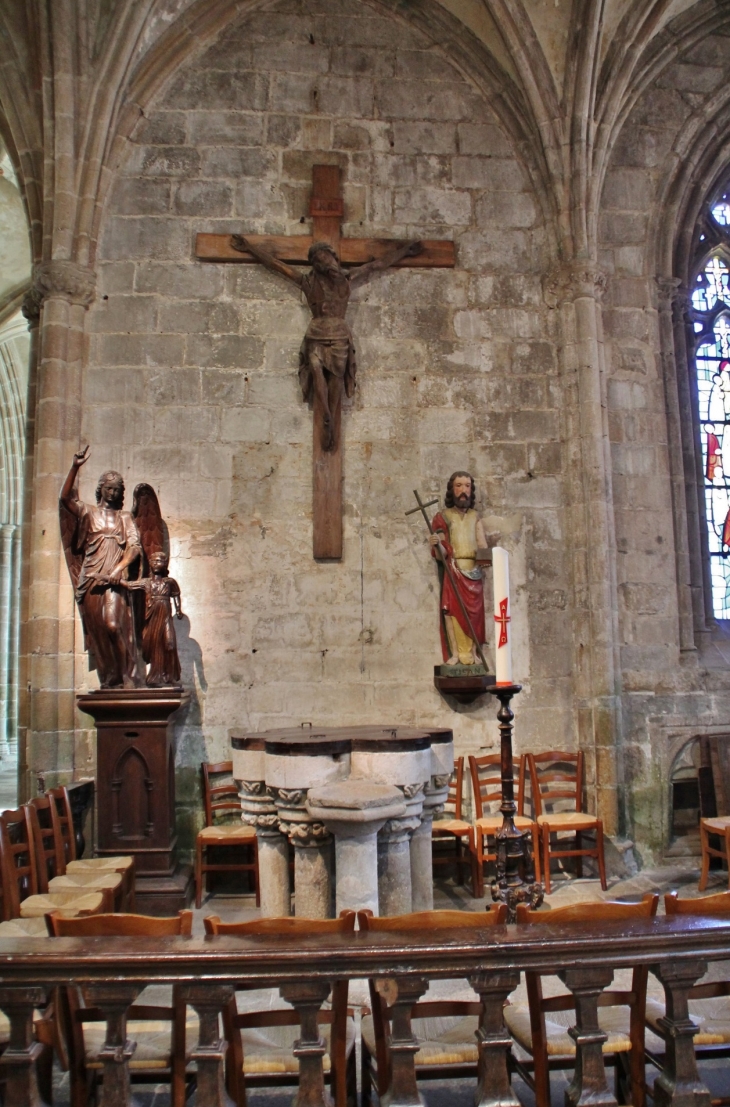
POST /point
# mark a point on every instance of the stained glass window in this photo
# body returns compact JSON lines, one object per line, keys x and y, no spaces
{"x":710,"y":316}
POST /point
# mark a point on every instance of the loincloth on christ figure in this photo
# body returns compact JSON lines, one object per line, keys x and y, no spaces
{"x":329,"y":340}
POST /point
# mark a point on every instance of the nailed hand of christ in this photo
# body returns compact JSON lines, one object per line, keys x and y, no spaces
{"x":327,"y":365}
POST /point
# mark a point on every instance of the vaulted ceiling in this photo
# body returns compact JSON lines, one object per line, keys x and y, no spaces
{"x":75,"y":76}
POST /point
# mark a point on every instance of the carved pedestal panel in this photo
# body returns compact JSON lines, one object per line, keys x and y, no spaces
{"x":135,"y":758}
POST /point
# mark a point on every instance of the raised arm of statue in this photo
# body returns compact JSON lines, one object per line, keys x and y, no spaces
{"x":68,"y":497}
{"x":245,"y":246}
{"x":403,"y":250}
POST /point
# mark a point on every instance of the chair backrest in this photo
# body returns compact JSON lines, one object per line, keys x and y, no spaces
{"x":591,"y":911}
{"x":122,"y":926}
{"x":454,"y":800}
{"x":717,"y":904}
{"x":286,"y":925}
{"x":47,"y":841}
{"x":220,"y":797}
{"x":495,"y":914}
{"x":20,"y":878}
{"x":556,"y":778}
{"x":486,"y":780}
{"x":235,"y":1021}
{"x":64,"y":818}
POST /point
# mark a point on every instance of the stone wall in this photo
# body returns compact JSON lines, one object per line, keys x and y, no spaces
{"x":191,"y":379}
{"x":673,"y":662}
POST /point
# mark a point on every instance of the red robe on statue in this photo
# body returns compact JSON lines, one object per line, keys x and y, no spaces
{"x":471,"y":590}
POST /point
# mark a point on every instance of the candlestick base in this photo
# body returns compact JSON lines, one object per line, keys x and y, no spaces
{"x":513,"y":846}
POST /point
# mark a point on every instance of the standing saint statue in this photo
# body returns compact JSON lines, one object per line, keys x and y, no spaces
{"x":159,"y":643}
{"x":101,"y":542}
{"x":458,"y":533}
{"x":327,"y":356}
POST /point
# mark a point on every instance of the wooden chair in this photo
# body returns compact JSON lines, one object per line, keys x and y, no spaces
{"x":557,"y":779}
{"x":74,"y":864}
{"x":221,"y":802}
{"x":547,"y":1039}
{"x":446,"y":1028}
{"x":251,"y":1060}
{"x":157,"y":1022}
{"x":709,"y":1000}
{"x":714,"y":828}
{"x":486,"y":779}
{"x":452,"y":829}
{"x":51,"y":863}
{"x":20,"y":880}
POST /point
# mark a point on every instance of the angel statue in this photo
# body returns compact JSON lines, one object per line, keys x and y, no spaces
{"x":104,"y":546}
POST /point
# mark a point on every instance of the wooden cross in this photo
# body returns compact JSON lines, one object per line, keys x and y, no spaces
{"x":327,"y":212}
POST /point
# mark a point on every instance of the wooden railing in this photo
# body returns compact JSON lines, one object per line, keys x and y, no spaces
{"x":115,"y":970}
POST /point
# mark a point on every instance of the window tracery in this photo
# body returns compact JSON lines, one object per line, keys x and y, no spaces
{"x":710,"y":322}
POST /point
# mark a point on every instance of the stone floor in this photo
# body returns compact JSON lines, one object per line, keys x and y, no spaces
{"x":682,"y":876}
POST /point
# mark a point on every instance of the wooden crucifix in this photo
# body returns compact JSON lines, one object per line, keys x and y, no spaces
{"x":327,"y":356}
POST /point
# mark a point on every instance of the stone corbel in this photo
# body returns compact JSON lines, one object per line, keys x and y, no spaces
{"x":572,"y":280}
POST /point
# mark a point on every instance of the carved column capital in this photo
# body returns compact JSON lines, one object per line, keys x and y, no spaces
{"x":671,"y":294}
{"x":64,"y":279}
{"x":31,"y":307}
{"x":572,"y":280}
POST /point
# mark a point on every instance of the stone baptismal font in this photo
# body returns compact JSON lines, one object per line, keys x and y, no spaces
{"x":357,"y":804}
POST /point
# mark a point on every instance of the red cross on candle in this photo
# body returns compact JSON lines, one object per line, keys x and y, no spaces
{"x":503,"y":618}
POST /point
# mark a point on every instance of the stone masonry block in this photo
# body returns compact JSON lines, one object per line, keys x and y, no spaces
{"x":362,"y":61}
{"x":348,"y":96}
{"x":161,"y":128}
{"x":298,"y":56}
{"x":432,"y":205}
{"x":293,"y":92}
{"x":208,"y":198}
{"x":158,"y":236}
{"x":423,"y":65}
{"x":227,"y":387}
{"x":224,"y":128}
{"x":246,"y":424}
{"x":508,"y":209}
{"x":170,"y":161}
{"x":122,"y":314}
{"x":173,"y":386}
{"x":230,"y":351}
{"x":416,"y":100}
{"x":203,"y":317}
{"x":627,"y":190}
{"x":237,"y":161}
{"x":179,"y":281}
{"x":414,"y":137}
{"x":259,"y":199}
{"x":484,"y":139}
{"x":148,"y":349}
{"x":138,"y":196}
{"x":218,"y":90}
{"x":499,"y":174}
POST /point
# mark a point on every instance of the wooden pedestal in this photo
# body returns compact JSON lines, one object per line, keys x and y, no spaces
{"x":135,"y":774}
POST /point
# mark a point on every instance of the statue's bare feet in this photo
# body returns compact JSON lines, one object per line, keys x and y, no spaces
{"x":453,"y":660}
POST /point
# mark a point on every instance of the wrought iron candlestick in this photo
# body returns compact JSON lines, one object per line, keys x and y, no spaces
{"x":513,"y":845}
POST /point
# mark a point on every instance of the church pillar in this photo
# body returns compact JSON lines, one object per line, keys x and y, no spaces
{"x":64,"y":290}
{"x":7,"y":531}
{"x":576,"y":289}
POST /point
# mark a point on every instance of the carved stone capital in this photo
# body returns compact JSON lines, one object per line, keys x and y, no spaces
{"x":252,"y":787}
{"x":671,"y":294}
{"x":261,"y":822}
{"x":65,"y":279}
{"x":31,"y":307}
{"x":305,"y":834}
{"x":572,"y":280}
{"x":289,"y":797}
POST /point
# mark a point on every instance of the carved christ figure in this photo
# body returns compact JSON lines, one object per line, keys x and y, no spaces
{"x":327,"y":356}
{"x":458,"y":533}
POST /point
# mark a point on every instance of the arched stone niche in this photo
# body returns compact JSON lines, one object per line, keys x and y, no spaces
{"x":191,"y":379}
